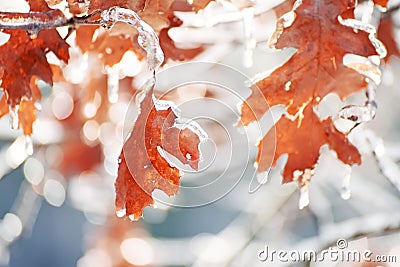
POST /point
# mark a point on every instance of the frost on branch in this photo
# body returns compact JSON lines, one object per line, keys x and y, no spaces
{"x":143,"y":167}
{"x":322,"y":39}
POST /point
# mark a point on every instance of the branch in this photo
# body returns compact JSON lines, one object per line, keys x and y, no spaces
{"x":37,"y":21}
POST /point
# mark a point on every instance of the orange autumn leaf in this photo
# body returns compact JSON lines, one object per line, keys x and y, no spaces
{"x":302,"y":141}
{"x":381,"y":3}
{"x":314,"y":71}
{"x":184,"y":5}
{"x":168,"y":45}
{"x":24,"y":60}
{"x":158,"y":14}
{"x":283,"y":8}
{"x":135,"y":5}
{"x":110,"y":48}
{"x":142,"y":167}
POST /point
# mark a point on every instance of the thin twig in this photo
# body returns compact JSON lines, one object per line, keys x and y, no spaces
{"x":37,"y":21}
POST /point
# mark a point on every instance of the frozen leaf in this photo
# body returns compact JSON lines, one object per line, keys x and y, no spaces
{"x":302,"y":139}
{"x":142,"y":167}
{"x":106,"y":4}
{"x":184,"y":5}
{"x":381,"y":3}
{"x":314,"y":71}
{"x":283,"y":8}
{"x":24,"y":62}
{"x":110,"y":48}
{"x":168,"y":45}
{"x":158,"y":14}
{"x":24,"y":58}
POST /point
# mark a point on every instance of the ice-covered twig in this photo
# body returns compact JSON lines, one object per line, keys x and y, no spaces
{"x":37,"y":21}
{"x":370,"y":69}
{"x":371,"y":225}
{"x":386,"y":165}
{"x":34,"y":22}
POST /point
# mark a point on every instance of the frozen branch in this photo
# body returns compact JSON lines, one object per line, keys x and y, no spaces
{"x":37,"y":21}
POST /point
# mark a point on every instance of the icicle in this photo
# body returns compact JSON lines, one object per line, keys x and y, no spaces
{"x":304,"y":197}
{"x":345,"y":190}
{"x":14,"y":119}
{"x":113,"y":83}
{"x":305,"y":180}
{"x":147,"y":39}
{"x":387,"y":166}
{"x":29,"y":145}
{"x":249,"y":41}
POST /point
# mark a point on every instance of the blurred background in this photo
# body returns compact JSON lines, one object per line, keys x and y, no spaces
{"x":57,"y":206}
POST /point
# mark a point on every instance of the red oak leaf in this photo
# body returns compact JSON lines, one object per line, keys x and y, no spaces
{"x":142,"y":167}
{"x":23,"y":62}
{"x":158,"y":14}
{"x":382,"y":3}
{"x":135,"y":5}
{"x":196,"y":5}
{"x":302,"y":139}
{"x":168,"y":45}
{"x":314,"y":71}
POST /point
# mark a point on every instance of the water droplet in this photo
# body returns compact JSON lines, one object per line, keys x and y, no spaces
{"x":29,"y":145}
{"x":304,"y":197}
{"x":121,"y":213}
{"x":113,"y":83}
{"x":32,"y":33}
{"x":14,"y":117}
{"x":287,"y":86}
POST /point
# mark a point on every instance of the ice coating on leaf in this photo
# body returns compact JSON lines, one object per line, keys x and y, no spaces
{"x":121,"y":213}
{"x":194,"y":127}
{"x":381,"y":3}
{"x":14,"y":118}
{"x":359,"y":25}
{"x":147,"y":39}
{"x":145,"y":163}
{"x":315,"y":70}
